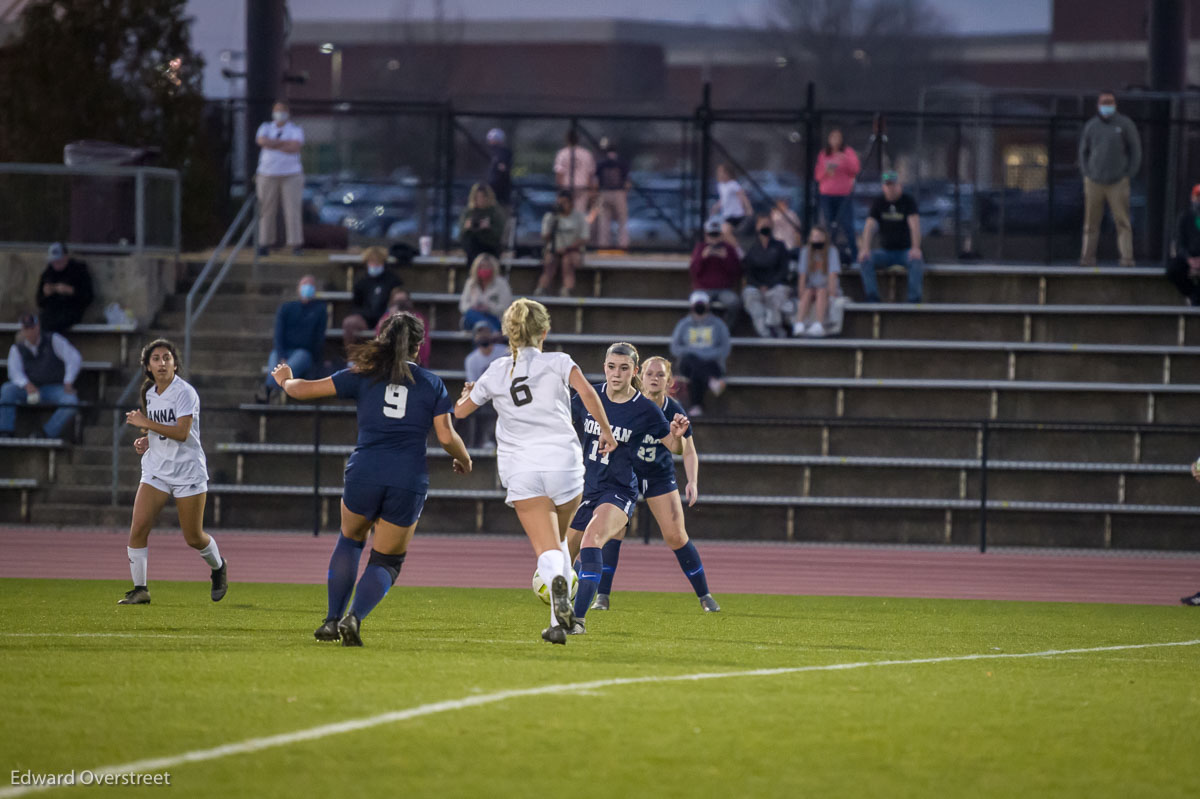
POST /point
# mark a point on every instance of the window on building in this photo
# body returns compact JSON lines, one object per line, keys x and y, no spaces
{"x":1025,"y":166}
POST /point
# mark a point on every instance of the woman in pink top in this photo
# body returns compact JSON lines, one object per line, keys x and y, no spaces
{"x":837,"y":167}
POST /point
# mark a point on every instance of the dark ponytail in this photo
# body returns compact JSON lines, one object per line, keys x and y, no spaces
{"x":147,"y":351}
{"x":387,"y":355}
{"x":630,"y":351}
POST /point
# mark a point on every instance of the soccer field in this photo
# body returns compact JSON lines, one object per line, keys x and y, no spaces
{"x":455,"y":695}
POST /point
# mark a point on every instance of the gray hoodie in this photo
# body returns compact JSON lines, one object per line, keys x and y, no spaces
{"x":707,"y":338}
{"x":1109,"y":149}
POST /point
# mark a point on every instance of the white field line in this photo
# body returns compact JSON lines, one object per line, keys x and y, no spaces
{"x":433,"y":708}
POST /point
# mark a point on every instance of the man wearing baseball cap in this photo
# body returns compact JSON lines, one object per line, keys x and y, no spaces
{"x":716,"y":269}
{"x":64,"y":291}
{"x":42,"y":368}
{"x":1184,"y":269}
{"x":894,"y":214}
{"x":701,"y":345}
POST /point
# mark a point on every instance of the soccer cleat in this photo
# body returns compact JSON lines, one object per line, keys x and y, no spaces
{"x":328,"y":631}
{"x":220,"y":581}
{"x":560,"y":600}
{"x":136,"y":596}
{"x":348,"y":629}
{"x":554,"y":635}
{"x":709,"y":604}
{"x":600,"y":602}
{"x":578,"y":628}
{"x":1193,"y":600}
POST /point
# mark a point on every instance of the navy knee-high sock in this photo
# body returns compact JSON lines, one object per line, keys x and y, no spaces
{"x":693,"y":569}
{"x":343,"y":568}
{"x":381,"y":572}
{"x":591,"y":566}
{"x":612,"y":554}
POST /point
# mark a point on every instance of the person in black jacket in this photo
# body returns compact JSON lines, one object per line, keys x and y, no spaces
{"x":370,"y":296}
{"x":1184,"y":269}
{"x":765,"y":268}
{"x":64,"y":292}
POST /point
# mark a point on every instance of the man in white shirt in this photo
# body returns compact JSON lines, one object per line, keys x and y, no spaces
{"x":280,"y":179}
{"x":40,"y":369}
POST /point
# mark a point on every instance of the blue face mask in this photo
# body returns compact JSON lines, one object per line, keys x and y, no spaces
{"x":374,"y":271}
{"x":1107,"y":110}
{"x":308,"y":291}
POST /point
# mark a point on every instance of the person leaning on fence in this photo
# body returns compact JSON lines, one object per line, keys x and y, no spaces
{"x":837,"y":168}
{"x":481,"y":226}
{"x":1183,"y":270}
{"x":820,"y":268}
{"x":64,"y":291}
{"x":765,"y":267}
{"x":370,"y":297}
{"x":894,"y":214}
{"x":565,"y":233}
{"x":716,"y":269}
{"x":1110,"y":154}
{"x":486,"y":294}
{"x":700,"y":345}
{"x":42,"y":368}
{"x":279,"y":182}
{"x":612,"y":179}
{"x":299,"y":337}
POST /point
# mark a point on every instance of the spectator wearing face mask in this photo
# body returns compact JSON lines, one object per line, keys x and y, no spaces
{"x":1110,"y":154}
{"x":370,"y":296}
{"x":279,"y":182}
{"x":400,"y":300}
{"x":299,"y":336}
{"x":820,"y":268}
{"x":765,"y":267}
{"x":701,"y":345}
{"x":486,"y":294}
{"x":1184,"y":269}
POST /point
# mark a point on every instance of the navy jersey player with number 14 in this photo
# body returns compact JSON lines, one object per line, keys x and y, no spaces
{"x":610,"y":486}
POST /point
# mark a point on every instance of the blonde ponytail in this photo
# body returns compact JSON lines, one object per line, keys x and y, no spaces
{"x":524,"y":323}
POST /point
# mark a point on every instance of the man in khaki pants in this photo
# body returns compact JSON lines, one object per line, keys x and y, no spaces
{"x":280,"y":180}
{"x":1110,"y":154}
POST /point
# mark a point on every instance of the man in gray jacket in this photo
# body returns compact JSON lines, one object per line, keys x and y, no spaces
{"x":1110,"y":154}
{"x":701,"y":344}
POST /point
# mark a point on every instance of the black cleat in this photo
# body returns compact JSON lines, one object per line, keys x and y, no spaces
{"x":138,"y":595}
{"x":220,"y":581}
{"x":328,"y":631}
{"x":600,"y":602}
{"x":560,"y":600}
{"x":554,"y":635}
{"x":348,"y":629}
{"x":709,"y":604}
{"x":1193,"y":600}
{"x":578,"y":628}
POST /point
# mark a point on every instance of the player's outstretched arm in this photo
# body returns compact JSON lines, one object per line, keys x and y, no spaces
{"x":452,"y":443}
{"x":591,"y":401}
{"x":465,"y":405}
{"x":302,"y":389}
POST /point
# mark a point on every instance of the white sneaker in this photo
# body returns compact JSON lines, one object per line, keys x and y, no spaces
{"x":717,"y":386}
{"x":816,"y":330}
{"x":695,"y":410}
{"x":798,"y":329}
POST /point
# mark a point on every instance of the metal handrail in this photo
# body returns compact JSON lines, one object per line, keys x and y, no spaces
{"x":116,"y":430}
{"x":192,"y":310}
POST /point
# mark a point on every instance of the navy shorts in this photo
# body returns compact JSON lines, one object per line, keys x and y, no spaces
{"x":394,"y":505}
{"x":657,"y":486}
{"x":589,"y":505}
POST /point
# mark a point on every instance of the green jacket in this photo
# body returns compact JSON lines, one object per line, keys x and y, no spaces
{"x":486,"y":230}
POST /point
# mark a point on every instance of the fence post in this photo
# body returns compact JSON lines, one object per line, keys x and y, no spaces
{"x":704,"y":122}
{"x":139,"y":205}
{"x":810,"y":128}
{"x":316,"y":470}
{"x":448,"y":186}
{"x":958,"y":141}
{"x":1051,"y":166}
{"x":983,"y":492}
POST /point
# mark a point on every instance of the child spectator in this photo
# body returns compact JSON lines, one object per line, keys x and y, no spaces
{"x":820,"y":268}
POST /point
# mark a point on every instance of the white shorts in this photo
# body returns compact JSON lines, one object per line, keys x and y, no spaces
{"x":177,"y":491}
{"x":560,"y":487}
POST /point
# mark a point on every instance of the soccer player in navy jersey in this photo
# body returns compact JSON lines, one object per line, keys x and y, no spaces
{"x":610,"y":487}
{"x":386,"y":476}
{"x":654,"y":468}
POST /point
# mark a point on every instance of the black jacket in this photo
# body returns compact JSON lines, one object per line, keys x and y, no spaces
{"x":60,"y":311}
{"x":766,"y":266}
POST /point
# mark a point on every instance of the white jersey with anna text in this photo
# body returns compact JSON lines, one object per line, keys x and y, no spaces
{"x":533,"y":408}
{"x":177,"y":463}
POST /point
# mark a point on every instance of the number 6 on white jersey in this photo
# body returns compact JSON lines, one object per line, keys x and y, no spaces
{"x":395,"y":401}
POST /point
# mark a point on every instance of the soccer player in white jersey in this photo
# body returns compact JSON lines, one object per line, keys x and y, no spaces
{"x":173,"y":465}
{"x":538,"y":453}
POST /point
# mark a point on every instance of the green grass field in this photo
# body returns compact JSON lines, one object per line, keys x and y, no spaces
{"x":87,"y":684}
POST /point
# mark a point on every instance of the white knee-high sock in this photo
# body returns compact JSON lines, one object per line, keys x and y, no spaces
{"x":566,"y":551}
{"x":137,"y":564}
{"x":211,"y":555}
{"x":550,"y":564}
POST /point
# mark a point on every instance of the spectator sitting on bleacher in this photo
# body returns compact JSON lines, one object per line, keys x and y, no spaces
{"x":1184,"y":269}
{"x":716,"y":269}
{"x":894,"y":214}
{"x":486,"y":294}
{"x":820,"y":267}
{"x":41,"y":368}
{"x":401,"y":300}
{"x":700,"y":345}
{"x":565,"y":233}
{"x":482,"y":424}
{"x":766,"y":267}
{"x":299,"y":337}
{"x":64,"y":292}
{"x":370,"y":296}
{"x":481,"y":226}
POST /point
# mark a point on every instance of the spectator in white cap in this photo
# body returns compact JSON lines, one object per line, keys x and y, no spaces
{"x":280,"y":180}
{"x":499,"y":175}
{"x":42,"y":368}
{"x":716,"y":269}
{"x":64,"y":291}
{"x":700,"y":345}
